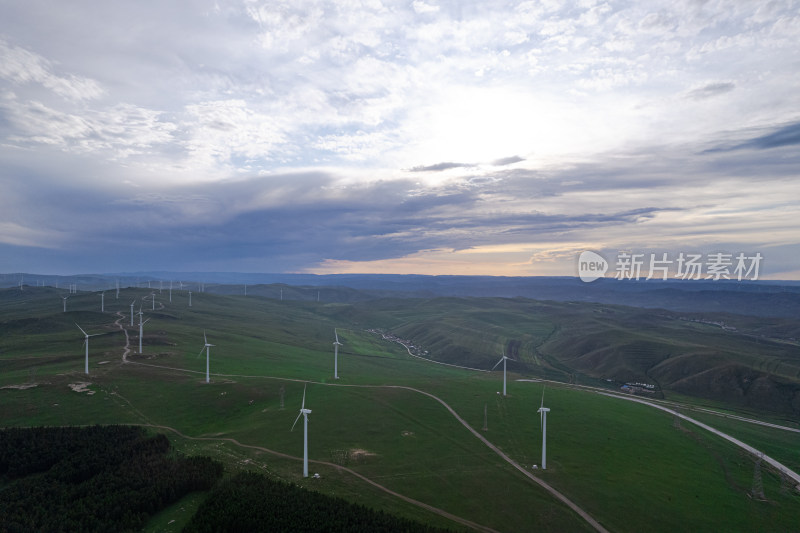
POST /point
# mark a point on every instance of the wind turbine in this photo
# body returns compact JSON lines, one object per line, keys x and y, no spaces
{"x":133,"y":302}
{"x":502,"y":360}
{"x":141,"y":328}
{"x":205,"y":347}
{"x":86,"y":344}
{"x":543,"y":421}
{"x":304,"y":413}
{"x":153,"y":294}
{"x":190,"y":298}
{"x":336,"y":345}
{"x":102,"y":302}
{"x":65,"y":302}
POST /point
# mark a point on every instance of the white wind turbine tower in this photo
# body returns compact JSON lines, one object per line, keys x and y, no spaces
{"x":86,"y":344}
{"x":133,"y":302}
{"x":543,"y":420}
{"x":336,"y":345}
{"x":205,"y":347}
{"x":65,"y":302}
{"x":190,"y":298}
{"x":141,"y":328}
{"x":154,"y":300}
{"x":170,"y":291}
{"x":304,"y":413}
{"x":102,"y":302}
{"x":502,"y":360}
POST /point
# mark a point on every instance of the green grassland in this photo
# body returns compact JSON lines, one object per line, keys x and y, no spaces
{"x":629,"y":466}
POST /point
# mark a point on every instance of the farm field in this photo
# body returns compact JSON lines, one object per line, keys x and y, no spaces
{"x":628,"y":466}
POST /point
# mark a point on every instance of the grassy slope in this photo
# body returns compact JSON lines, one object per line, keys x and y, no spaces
{"x":589,"y":343}
{"x":625,"y":464}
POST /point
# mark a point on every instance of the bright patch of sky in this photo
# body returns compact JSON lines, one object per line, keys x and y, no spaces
{"x":375,"y":136}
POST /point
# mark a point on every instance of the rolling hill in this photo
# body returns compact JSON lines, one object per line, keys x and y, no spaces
{"x":629,"y":466}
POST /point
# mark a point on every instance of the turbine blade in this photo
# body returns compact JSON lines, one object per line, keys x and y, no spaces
{"x":80,"y":328}
{"x":204,"y":337}
{"x":295,"y":420}
{"x":303,"y":405}
{"x":497,"y":363}
{"x":201,"y":352}
{"x":337,"y":335}
{"x":543,"y":387}
{"x":146,"y":321}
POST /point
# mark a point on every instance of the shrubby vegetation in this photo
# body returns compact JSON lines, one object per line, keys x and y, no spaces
{"x":252,"y":502}
{"x":101,"y":478}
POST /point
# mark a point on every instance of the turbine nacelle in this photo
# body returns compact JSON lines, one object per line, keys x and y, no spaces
{"x":303,"y":410}
{"x":86,"y":334}
{"x":504,"y":358}
{"x":205,"y":339}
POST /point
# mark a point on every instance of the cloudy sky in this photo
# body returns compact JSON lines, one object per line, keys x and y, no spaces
{"x":431,"y":137}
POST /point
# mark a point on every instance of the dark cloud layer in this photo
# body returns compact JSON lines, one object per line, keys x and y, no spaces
{"x":778,"y":138}
{"x":438,"y":167}
{"x":787,"y":136}
{"x":508,"y":160}
{"x":711,"y":90}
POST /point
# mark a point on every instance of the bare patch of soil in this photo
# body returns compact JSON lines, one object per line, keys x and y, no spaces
{"x":81,"y":387}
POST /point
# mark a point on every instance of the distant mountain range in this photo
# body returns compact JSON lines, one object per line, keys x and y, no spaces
{"x":754,"y":298}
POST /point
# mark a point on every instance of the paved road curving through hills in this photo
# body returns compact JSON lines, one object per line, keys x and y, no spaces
{"x":779,"y":466}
